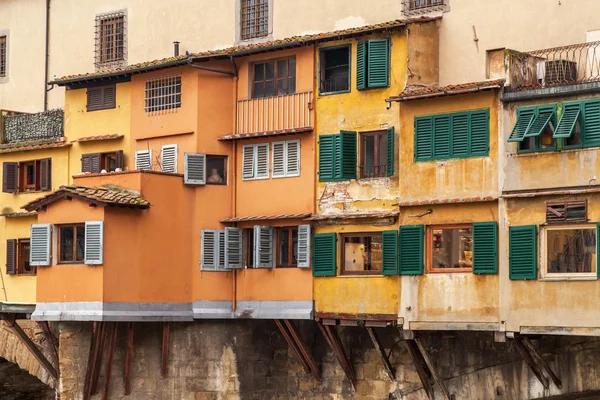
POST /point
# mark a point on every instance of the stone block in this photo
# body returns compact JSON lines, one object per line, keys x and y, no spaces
{"x":206,"y":396}
{"x":305,"y":384}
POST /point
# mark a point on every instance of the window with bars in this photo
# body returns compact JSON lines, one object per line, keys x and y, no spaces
{"x":163,"y":93}
{"x":274,"y":78}
{"x":254,"y":19}
{"x":3,"y":57}
{"x":111,"y":37}
{"x":420,"y":4}
{"x":334,"y":70}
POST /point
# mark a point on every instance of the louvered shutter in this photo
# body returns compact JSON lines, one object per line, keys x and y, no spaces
{"x":208,"y":249}
{"x":263,"y":247}
{"x":221,"y":251}
{"x":479,"y":133}
{"x":10,"y":177}
{"x":95,"y":98}
{"x":598,"y":249}
{"x":485,"y":248}
{"x":411,"y":250}
{"x":46,"y":174}
{"x":143,"y":160}
{"x":390,"y":151}
{"x":304,"y":246}
{"x":39,"y":245}
{"x":292,"y":158}
{"x":248,"y":155}
{"x":194,"y":169}
{"x":522,"y":259}
{"x":94,"y":243}
{"x":543,"y":117}
{"x":390,"y":252}
{"x":326,"y":158}
{"x":324,"y":254}
{"x":110,"y":99}
{"x":337,"y":157}
{"x":11,"y":257}
{"x":233,"y":248}
{"x":525,"y":117}
{"x":460,"y":134}
{"x":279,"y":162}
{"x":591,"y":123}
{"x":568,"y":121}
{"x":361,"y":66}
{"x":262,"y":161}
{"x":441,"y":136}
{"x":378,"y":64}
{"x":95,"y":163}
{"x":120,"y":160}
{"x":348,"y":154}
{"x":86,"y":163}
{"x":168,"y":155}
{"x":423,"y":138}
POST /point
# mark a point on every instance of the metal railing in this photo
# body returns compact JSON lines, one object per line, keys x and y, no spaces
{"x":30,"y":127}
{"x":420,"y":7}
{"x":277,"y":113}
{"x":372,"y":171}
{"x":339,"y":83}
{"x":558,"y":66}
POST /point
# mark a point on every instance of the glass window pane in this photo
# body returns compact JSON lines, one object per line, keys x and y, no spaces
{"x":215,"y":170}
{"x":362,"y":253}
{"x":270,"y":71}
{"x":282,"y":86}
{"x":66,"y":243}
{"x":294,"y":246}
{"x":291,"y":85}
{"x":80,"y":243}
{"x":259,"y":90}
{"x":269,"y":88}
{"x":452,"y":248}
{"x":382,"y":162}
{"x":259,"y":72}
{"x":292,"y":67}
{"x":284,"y":244}
{"x":571,"y":251}
{"x":282,"y":69}
{"x":25,"y":258}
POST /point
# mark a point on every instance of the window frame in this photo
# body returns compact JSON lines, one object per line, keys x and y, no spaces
{"x":378,"y":135}
{"x":244,"y":22}
{"x":290,"y":246}
{"x":276,"y":80}
{"x":430,"y":4}
{"x":429,"y":249}
{"x":156,"y":102}
{"x":118,"y":53}
{"x":59,"y":228}
{"x":248,"y":247}
{"x":20,"y":253}
{"x":225,"y":169}
{"x":342,"y":267}
{"x":322,"y":67}
{"x":543,"y":237}
{"x":23,"y":185}
{"x":4,"y":42}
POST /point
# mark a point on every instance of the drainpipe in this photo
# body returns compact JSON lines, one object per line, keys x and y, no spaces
{"x":46,"y":60}
{"x":234,"y":173}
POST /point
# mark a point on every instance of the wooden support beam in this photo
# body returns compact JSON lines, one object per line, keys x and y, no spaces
{"x":420,"y":366}
{"x":91,"y":362}
{"x":335,"y":343}
{"x":304,"y":350}
{"x":51,"y":343}
{"x":109,"y":359}
{"x":128,"y":358}
{"x":165,"y":350}
{"x":381,"y":352}
{"x":538,"y":357}
{"x":436,"y":377}
{"x":98,"y":366}
{"x":535,"y":368}
{"x":293,"y":346}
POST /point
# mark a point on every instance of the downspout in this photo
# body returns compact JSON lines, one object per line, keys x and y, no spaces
{"x":46,"y":61}
{"x":234,"y":174}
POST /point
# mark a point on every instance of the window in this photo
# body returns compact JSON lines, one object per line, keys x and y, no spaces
{"x":71,"y":243}
{"x":534,"y":128}
{"x":27,"y":176}
{"x":168,"y":156}
{"x":286,"y":159}
{"x":110,"y":39}
{"x":337,"y":157}
{"x":17,"y":257}
{"x":101,"y":98}
{"x":579,"y":125}
{"x":420,"y":4}
{"x":97,"y":162}
{"x":163,"y":93}
{"x":204,"y":169}
{"x":254,"y":18}
{"x":334,"y":70}
{"x":248,"y":235}
{"x":455,"y":135}
{"x":287,"y":247}
{"x":373,"y":154}
{"x":217,"y":170}
{"x":570,"y":250}
{"x":274,"y":78}
{"x":255,"y":161}
{"x":362,"y":253}
{"x":143,"y":160}
{"x":3,"y":57}
{"x":450,"y":248}
{"x":373,"y":64}
{"x":566,"y":211}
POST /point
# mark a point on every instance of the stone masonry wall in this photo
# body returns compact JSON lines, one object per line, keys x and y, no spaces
{"x":250,"y":360}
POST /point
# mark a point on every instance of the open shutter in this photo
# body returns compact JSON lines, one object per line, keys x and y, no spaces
{"x":86,"y":163}
{"x":411,"y":250}
{"x":541,"y":120}
{"x":522,"y":258}
{"x":361,"y":66}
{"x":11,"y":257}
{"x":423,"y":138}
{"x":479,"y":125}
{"x":94,"y":243}
{"x":46,"y":174}
{"x":524,"y":119}
{"x":10,"y":177}
{"x":233,"y":248}
{"x":292,"y":158}
{"x":95,"y":163}
{"x":304,"y":246}
{"x":95,"y":98}
{"x":591,"y":123}
{"x":168,"y":156}
{"x":390,"y":152}
{"x":208,"y":249}
{"x":348,"y":154}
{"x":39,"y":245}
{"x":441,"y":136}
{"x":460,"y":134}
{"x":485,"y":248}
{"x":143,"y":160}
{"x":598,"y":249}
{"x":194,"y":169}
{"x":324,"y":254}
{"x":326,"y":157}
{"x":263,"y":247}
{"x":390,"y":252}
{"x":262,"y":161}
{"x":279,"y":159}
{"x":120,"y":160}
{"x":568,"y":121}
{"x":378,"y":64}
{"x":248,"y":155}
{"x":221,"y":251}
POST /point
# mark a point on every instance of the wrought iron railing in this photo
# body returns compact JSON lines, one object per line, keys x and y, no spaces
{"x":340,"y":83}
{"x":419,"y":7}
{"x":372,"y":171}
{"x":29,"y":127}
{"x":558,"y":66}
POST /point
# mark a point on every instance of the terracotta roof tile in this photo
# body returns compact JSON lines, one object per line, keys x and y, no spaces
{"x":265,"y":217}
{"x":254,"y":135}
{"x":448,"y":201}
{"x":18,"y":214}
{"x":111,"y":136}
{"x":322,"y":217}
{"x":438,"y":91}
{"x":33,"y":145}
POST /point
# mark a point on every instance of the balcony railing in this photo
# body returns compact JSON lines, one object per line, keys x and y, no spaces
{"x":559,"y":66}
{"x":17,"y":128}
{"x":373,"y":171}
{"x":277,"y":113}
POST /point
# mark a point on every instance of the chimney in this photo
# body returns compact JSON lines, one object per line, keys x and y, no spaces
{"x":176,"y":48}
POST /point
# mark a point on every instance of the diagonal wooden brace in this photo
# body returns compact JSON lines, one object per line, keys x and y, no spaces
{"x":538,"y":357}
{"x":164,"y":354}
{"x":333,"y":339}
{"x":420,"y":366}
{"x":381,"y":352}
{"x":301,"y":352}
{"x":436,"y":377}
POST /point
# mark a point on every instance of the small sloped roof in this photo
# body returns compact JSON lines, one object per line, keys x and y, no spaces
{"x":449,"y":90}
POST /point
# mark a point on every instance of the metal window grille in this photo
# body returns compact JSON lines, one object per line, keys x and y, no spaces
{"x":163,"y":94}
{"x":416,"y":7}
{"x":110,"y":49}
{"x":2,"y":56}
{"x":255,"y":18}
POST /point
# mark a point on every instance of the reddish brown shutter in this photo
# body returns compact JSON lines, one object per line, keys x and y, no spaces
{"x":86,"y":163}
{"x":10,"y":177}
{"x":566,"y":211}
{"x":95,"y":163}
{"x":120,"y":160}
{"x":11,"y":257}
{"x":46,"y":174}
{"x":109,"y":100}
{"x":94,"y":98}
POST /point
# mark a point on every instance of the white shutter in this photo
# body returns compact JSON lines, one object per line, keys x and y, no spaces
{"x":194,"y":169}
{"x":278,"y":159}
{"x":263,"y":247}
{"x":292,"y":158}
{"x":248,"y":152}
{"x":233,"y":248}
{"x":168,"y":156}
{"x":94,"y":242}
{"x":304,"y":246}
{"x":208,"y":256}
{"x":262,"y":161}
{"x":39,"y":249}
{"x":220,"y":251}
{"x":143,"y":160}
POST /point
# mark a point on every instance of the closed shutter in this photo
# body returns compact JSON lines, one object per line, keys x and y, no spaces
{"x":361,"y":66}
{"x":348,"y":154}
{"x":390,"y":252}
{"x":168,"y":155}
{"x":303,"y":246}
{"x":480,"y":133}
{"x":525,"y":117}
{"x":337,"y":157}
{"x":233,"y":248}
{"x":326,"y":158}
{"x":423,"y":138}
{"x":263,"y":247}
{"x":591,"y":123}
{"x":292,"y":158}
{"x":262,"y":161}
{"x":390,"y":151}
{"x":522,"y":258}
{"x":110,"y":97}
{"x":39,"y":245}
{"x":10,"y":177}
{"x":194,"y":169}
{"x":120,"y":160}
{"x":11,"y":257}
{"x":86,"y":163}
{"x":248,"y":155}
{"x":568,"y":121}
{"x":46,"y":174}
{"x":441,"y":136}
{"x":411,"y":250}
{"x":324,"y":254}
{"x":94,"y":243}
{"x":95,"y":163}
{"x":485,"y":248}
{"x":378,"y":64}
{"x":95,"y":98}
{"x":143,"y":160}
{"x":460,"y":135}
{"x":279,"y":159}
{"x":543,"y":117}
{"x":208,"y":249}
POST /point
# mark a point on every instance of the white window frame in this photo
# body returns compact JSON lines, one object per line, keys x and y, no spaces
{"x":254,"y":150}
{"x":286,"y":173}
{"x":149,"y":152}
{"x":162,"y":152}
{"x":544,"y":253}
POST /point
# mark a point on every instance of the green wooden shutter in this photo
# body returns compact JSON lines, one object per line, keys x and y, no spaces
{"x":598,"y":249}
{"x":480,"y":133}
{"x":522,"y":258}
{"x":543,"y":117}
{"x":411,"y":250}
{"x":390,"y":151}
{"x":570,"y":116}
{"x":326,"y":158}
{"x":390,"y":252}
{"x":460,"y":134}
{"x":591,"y":123}
{"x":378,"y":64}
{"x":485,"y":248}
{"x":441,"y":136}
{"x":348,"y":154}
{"x":423,"y":138}
{"x":337,"y":157}
{"x":361,"y":66}
{"x":324,"y":254}
{"x":525,"y":117}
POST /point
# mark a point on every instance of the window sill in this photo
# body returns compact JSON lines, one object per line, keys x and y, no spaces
{"x":322,"y":94}
{"x":377,"y":274}
{"x":554,"y":151}
{"x":568,"y":278}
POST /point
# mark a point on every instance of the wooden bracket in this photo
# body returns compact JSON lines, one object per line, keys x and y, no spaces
{"x":381,"y":352}
{"x":109,"y":358}
{"x":436,"y":377}
{"x":128,"y":358}
{"x":334,"y":341}
{"x":301,"y":352}
{"x":165,"y":350}
{"x":51,"y":343}
{"x":536,"y":362}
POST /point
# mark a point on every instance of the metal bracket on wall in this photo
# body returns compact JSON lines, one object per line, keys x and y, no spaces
{"x":381,"y":352}
{"x":334,"y":341}
{"x":535,"y":361}
{"x":164,"y":350}
{"x":301,"y":352}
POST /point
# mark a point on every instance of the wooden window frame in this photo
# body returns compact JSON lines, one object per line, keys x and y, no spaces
{"x":260,"y":24}
{"x":322,"y":68}
{"x":290,"y":230}
{"x":104,"y":160}
{"x":343,"y":237}
{"x":276,"y":78}
{"x":59,"y":229}
{"x":543,"y":237}
{"x":20,"y":253}
{"x":377,"y":158}
{"x":225,"y":171}
{"x":23,"y":185}
{"x":429,"y":250}
{"x":248,"y":254}
{"x":3,"y":56}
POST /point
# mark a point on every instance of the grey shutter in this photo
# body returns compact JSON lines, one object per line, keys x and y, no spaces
{"x":248,"y":152}
{"x":304,"y":246}
{"x":94,"y":243}
{"x":168,"y":156}
{"x":143,"y":160}
{"x":95,"y":98}
{"x":262,"y":161}
{"x":263,"y":247}
{"x":10,"y":177}
{"x":292,"y":158}
{"x":11,"y":257}
{"x":46,"y":174}
{"x":39,"y":253}
{"x":86,"y":163}
{"x":233,"y":248}
{"x":220,"y":251}
{"x":208,"y":256}
{"x":279,"y":162}
{"x":194,"y":169}
{"x":110,"y":97}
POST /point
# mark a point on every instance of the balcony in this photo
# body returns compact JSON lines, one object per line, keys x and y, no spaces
{"x":275,"y":114}
{"x":18,"y":128}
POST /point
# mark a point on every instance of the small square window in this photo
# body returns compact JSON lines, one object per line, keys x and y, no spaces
{"x":571,"y":251}
{"x":71,"y":243}
{"x":287,"y":247}
{"x":373,"y":154}
{"x":23,"y":266}
{"x":362,"y":254}
{"x":216,"y":171}
{"x":450,"y":248}
{"x":335,"y":70}
{"x":163,"y":93}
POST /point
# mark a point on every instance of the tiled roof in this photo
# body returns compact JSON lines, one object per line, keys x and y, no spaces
{"x":110,"y":136}
{"x":448,"y":201}
{"x":294,"y":41}
{"x":35,"y":145}
{"x":324,"y":217}
{"x":18,"y":214}
{"x":101,"y":196}
{"x":254,"y":135}
{"x":438,"y":91}
{"x":265,"y":217}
